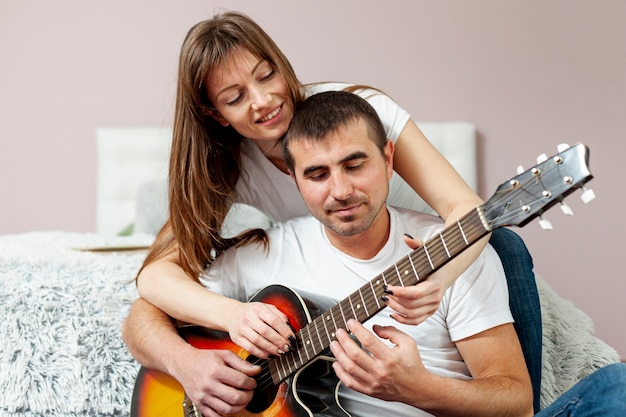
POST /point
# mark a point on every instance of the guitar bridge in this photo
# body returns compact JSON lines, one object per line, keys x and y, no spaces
{"x":190,"y":409}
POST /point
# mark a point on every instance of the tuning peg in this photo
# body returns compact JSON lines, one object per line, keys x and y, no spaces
{"x":545,"y":223}
{"x":520,"y":170}
{"x":542,"y":158}
{"x":587,"y":195}
{"x":566,"y":209}
{"x":562,"y":147}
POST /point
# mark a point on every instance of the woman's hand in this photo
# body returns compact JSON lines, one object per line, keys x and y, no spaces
{"x":261,"y":329}
{"x":414,"y":304}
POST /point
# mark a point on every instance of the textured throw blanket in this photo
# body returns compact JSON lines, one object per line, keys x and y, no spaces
{"x":570,"y":349}
{"x":61,"y":354}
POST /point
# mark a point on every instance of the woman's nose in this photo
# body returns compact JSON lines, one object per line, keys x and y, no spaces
{"x":260,"y":98}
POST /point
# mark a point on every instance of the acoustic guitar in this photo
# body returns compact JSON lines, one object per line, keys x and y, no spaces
{"x":301,"y":382}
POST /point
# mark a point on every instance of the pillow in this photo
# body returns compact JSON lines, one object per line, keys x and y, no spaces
{"x":152,"y":211}
{"x":151,"y":207}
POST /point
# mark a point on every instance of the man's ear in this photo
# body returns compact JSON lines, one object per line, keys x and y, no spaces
{"x":292,"y":175}
{"x":217,"y":116}
{"x":389,"y":149}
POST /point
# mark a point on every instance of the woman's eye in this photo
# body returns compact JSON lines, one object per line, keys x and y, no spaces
{"x":267,"y":75}
{"x":235,"y":100}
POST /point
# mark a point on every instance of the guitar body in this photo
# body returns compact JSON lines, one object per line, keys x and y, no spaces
{"x":310,"y":392}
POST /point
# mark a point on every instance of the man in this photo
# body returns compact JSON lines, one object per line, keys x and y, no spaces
{"x":464,"y":360}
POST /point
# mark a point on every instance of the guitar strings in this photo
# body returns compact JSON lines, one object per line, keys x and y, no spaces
{"x":436,"y":253}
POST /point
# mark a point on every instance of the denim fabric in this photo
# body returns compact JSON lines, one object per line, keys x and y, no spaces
{"x":601,"y":394}
{"x":523,"y":300}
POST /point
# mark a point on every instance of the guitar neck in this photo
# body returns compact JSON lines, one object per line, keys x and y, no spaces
{"x":367,"y":301}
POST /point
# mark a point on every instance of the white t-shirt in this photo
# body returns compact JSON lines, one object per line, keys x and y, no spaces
{"x":274,"y":193}
{"x":301,"y":257}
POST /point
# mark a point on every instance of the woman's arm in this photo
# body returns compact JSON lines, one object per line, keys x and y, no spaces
{"x":430,"y":174}
{"x":261,"y":329}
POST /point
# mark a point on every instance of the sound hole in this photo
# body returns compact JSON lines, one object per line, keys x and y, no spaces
{"x":266,"y":391}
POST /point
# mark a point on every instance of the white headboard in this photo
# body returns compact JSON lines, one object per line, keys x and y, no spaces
{"x":129,"y":158}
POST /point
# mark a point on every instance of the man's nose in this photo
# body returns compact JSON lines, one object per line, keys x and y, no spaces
{"x":341,"y":187}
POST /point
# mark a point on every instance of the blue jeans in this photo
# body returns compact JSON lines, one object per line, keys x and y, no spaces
{"x":523,"y":300}
{"x":601,"y":394}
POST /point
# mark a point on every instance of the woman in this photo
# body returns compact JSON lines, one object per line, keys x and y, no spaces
{"x":236,"y":96}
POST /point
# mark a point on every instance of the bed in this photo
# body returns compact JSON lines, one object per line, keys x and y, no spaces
{"x":64,"y":295}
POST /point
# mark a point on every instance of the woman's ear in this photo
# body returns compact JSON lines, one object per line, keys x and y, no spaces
{"x":217,"y":116}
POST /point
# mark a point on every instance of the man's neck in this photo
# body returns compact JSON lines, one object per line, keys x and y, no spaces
{"x":367,"y":244}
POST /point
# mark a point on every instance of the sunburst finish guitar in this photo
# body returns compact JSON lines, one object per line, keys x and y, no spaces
{"x":301,"y":382}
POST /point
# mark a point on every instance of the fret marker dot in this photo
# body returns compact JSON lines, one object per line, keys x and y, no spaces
{"x":358,"y":306}
{"x":333,"y":334}
{"x":327,"y":317}
{"x":406,"y":272}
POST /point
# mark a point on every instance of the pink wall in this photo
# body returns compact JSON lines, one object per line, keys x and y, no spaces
{"x":529,"y":74}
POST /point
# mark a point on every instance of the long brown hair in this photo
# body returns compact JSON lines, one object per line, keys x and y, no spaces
{"x":205,"y":161}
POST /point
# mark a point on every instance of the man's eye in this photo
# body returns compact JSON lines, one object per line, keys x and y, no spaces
{"x":354,"y":167}
{"x":318,"y":177}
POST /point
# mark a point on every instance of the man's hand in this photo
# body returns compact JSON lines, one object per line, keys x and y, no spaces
{"x":385,"y":372}
{"x":218,"y":382}
{"x":261,"y":329}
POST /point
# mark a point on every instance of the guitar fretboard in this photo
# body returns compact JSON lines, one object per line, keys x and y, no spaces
{"x":365,"y":302}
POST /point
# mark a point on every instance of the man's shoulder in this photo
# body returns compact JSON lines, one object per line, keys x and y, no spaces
{"x":294,"y":228}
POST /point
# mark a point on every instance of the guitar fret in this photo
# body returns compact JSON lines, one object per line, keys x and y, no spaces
{"x":443,"y":242}
{"x":281,"y":371}
{"x":334,"y":328}
{"x":462,"y":232}
{"x":298,"y":350}
{"x":430,"y":261}
{"x":319,"y":337}
{"x":359,"y":313}
{"x":354,"y":314}
{"x":364,"y":303}
{"x":382,"y":275}
{"x":308,"y":343}
{"x":413,"y":267}
{"x":343,"y":317}
{"x":374,"y":292}
{"x":399,"y":275}
{"x":290,"y":358}
{"x":326,"y":328}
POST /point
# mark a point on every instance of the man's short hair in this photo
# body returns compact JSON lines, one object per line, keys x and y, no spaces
{"x":325,"y":112}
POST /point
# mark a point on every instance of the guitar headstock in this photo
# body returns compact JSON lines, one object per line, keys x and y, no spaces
{"x":529,"y":194}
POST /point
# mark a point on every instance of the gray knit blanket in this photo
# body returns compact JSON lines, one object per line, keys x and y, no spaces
{"x":61,"y":354}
